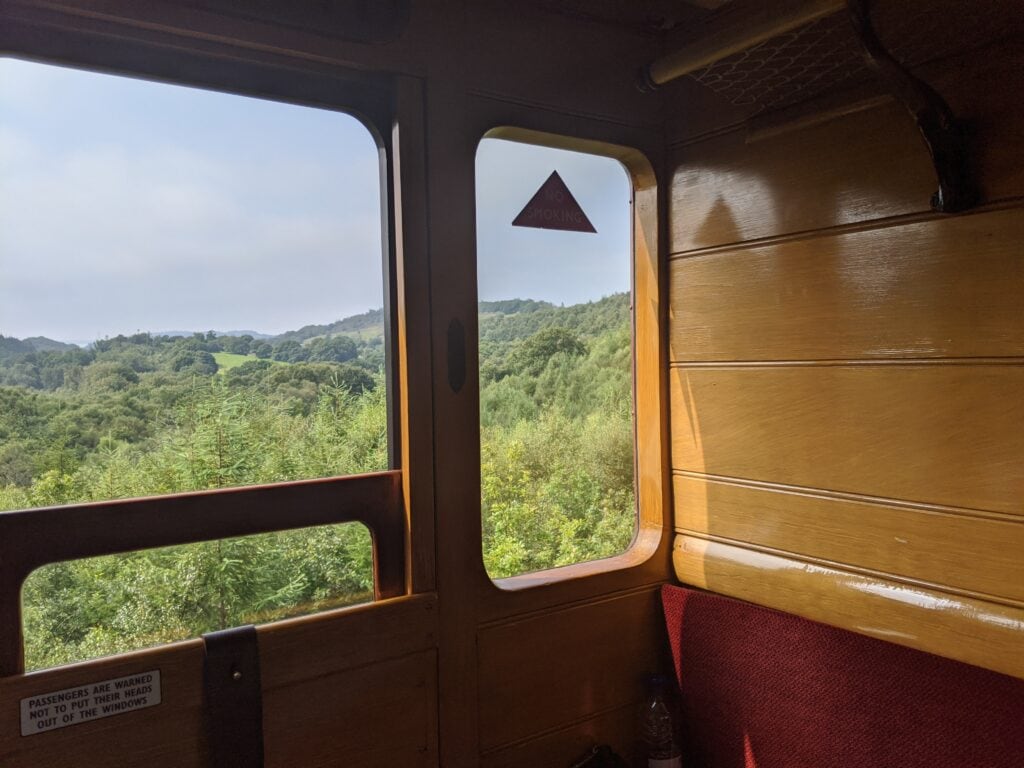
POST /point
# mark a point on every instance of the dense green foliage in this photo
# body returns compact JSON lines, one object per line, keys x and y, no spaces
{"x":556,"y":433}
{"x":143,"y":415}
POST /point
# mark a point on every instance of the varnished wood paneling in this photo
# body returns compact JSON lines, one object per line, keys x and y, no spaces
{"x":382,"y":714}
{"x":300,"y":649}
{"x":550,"y":670}
{"x":412,"y":273}
{"x":864,"y":166}
{"x":343,"y":648}
{"x":566,"y":746}
{"x":977,"y":87}
{"x":969,"y":630}
{"x":942,"y":288}
{"x":32,"y":538}
{"x":856,"y":395}
{"x":976,"y":554}
{"x":942,"y":434}
{"x":165,"y":736}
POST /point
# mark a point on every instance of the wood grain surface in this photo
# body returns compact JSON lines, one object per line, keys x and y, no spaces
{"x":570,"y":744}
{"x":139,"y":739}
{"x":980,"y":555}
{"x":349,"y":687}
{"x":939,"y":434}
{"x":948,"y":287}
{"x":551,"y":670}
{"x":865,"y":166}
{"x":969,"y":630}
{"x":376,"y":715}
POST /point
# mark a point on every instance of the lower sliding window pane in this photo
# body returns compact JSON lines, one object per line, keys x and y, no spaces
{"x":100,"y":606}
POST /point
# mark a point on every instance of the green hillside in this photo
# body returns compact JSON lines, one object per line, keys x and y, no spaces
{"x":145,"y":415}
{"x":366,"y":326}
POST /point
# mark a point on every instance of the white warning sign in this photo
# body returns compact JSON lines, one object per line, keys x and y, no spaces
{"x":94,"y":701}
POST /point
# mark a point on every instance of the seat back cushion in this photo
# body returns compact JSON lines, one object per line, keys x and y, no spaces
{"x":765,"y":689}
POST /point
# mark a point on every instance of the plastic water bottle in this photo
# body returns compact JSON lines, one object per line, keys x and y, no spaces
{"x":657,"y":729}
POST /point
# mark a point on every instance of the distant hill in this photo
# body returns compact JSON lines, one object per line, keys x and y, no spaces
{"x":43,"y":344}
{"x":512,"y":306}
{"x":11,"y":347}
{"x":254,"y":334}
{"x":504,"y":320}
{"x":366,"y":325}
{"x":588,"y":320}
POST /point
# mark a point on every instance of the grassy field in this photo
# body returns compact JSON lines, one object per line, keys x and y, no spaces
{"x":228,"y":360}
{"x":368,"y":333}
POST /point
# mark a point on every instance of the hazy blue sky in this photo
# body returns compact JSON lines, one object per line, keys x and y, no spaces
{"x":127,"y":205}
{"x":561,"y":267}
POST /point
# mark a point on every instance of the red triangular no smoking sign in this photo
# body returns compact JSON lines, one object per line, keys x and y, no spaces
{"x":554,"y":207}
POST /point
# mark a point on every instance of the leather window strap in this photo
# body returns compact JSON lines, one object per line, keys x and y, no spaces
{"x":233,"y":698}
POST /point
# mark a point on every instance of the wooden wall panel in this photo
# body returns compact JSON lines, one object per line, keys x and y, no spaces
{"x":939,"y":288}
{"x":974,"y":631}
{"x":566,"y":746}
{"x":979,"y":89}
{"x":847,"y":385}
{"x":969,"y":553}
{"x":947,"y":434}
{"x":557,"y":668}
{"x":368,"y":672}
{"x":140,"y":739}
{"x":865,"y":166}
{"x":348,"y":638}
{"x":376,"y":715}
{"x":725,"y":191}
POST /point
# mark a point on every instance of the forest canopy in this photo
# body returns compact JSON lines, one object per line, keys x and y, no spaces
{"x":147,"y":414}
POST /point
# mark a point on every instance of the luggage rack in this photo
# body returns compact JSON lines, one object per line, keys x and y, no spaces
{"x":773,"y":55}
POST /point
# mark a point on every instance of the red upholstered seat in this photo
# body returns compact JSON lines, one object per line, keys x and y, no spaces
{"x":764,"y":689}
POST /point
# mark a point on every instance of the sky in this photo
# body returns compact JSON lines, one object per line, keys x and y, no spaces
{"x":556,"y":266}
{"x":127,"y":206}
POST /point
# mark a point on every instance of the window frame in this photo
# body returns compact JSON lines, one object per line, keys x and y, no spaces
{"x":373,"y":100}
{"x":651,"y":542}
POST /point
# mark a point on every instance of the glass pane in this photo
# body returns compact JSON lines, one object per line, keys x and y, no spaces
{"x":191,"y":293}
{"x":556,"y":371}
{"x":190,"y":290}
{"x":99,"y":606}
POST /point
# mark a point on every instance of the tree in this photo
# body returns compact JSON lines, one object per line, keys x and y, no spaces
{"x":290,"y":351}
{"x":532,"y":354}
{"x":197,"y":362}
{"x":332,"y":349}
{"x":109,"y":375}
{"x":237,"y":345}
{"x":352,"y":379}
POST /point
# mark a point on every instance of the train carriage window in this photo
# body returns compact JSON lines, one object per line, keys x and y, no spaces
{"x":554,"y":250}
{"x":191,"y":293}
{"x":99,"y":606}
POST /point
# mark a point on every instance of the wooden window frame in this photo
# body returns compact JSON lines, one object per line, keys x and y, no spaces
{"x":649,"y":426}
{"x":35,"y":537}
